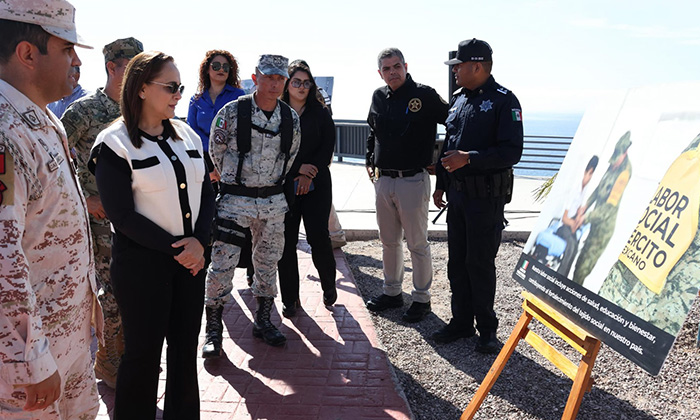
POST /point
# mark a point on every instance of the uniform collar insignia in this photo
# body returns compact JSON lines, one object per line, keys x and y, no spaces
{"x":486,"y":105}
{"x":30,"y":117}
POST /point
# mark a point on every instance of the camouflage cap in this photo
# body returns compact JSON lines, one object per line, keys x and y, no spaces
{"x":122,"y":48}
{"x":621,"y":147}
{"x":57,"y":17}
{"x":269,"y":64}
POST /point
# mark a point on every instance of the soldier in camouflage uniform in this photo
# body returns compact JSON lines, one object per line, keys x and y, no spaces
{"x":668,"y":309}
{"x":46,"y":265}
{"x":83,"y":121}
{"x":602,"y":218}
{"x":251,"y":196}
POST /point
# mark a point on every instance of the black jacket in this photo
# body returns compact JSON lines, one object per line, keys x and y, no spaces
{"x":403,"y":126}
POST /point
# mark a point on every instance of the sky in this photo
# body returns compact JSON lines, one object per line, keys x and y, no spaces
{"x":558,"y":57}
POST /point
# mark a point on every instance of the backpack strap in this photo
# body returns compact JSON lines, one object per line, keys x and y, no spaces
{"x":287,"y":129}
{"x":243,"y":136}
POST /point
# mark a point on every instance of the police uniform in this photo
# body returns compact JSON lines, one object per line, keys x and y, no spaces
{"x":155,"y":195}
{"x":263,"y":167}
{"x":487,"y":123}
{"x":602,"y":218}
{"x":403,"y":128}
{"x":46,"y":266}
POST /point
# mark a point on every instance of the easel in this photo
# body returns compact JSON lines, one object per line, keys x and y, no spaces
{"x":580,"y":340}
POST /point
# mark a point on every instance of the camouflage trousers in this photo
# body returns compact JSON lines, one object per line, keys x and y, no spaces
{"x":602,"y":228}
{"x":79,"y":398}
{"x":102,"y":239}
{"x":268,"y":244}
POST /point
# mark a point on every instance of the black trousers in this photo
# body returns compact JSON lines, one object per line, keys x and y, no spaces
{"x":158,"y":299}
{"x":314,"y":208}
{"x":474,"y":228}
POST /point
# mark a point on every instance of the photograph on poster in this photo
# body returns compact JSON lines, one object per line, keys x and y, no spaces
{"x":615,"y":245}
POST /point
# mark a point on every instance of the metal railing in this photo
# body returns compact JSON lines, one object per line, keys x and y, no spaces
{"x":540,"y":153}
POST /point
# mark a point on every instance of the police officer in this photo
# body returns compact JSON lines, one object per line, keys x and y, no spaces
{"x":484,"y":140}
{"x":403,"y":122}
{"x":83,"y":121}
{"x":46,"y":266}
{"x":254,"y":141}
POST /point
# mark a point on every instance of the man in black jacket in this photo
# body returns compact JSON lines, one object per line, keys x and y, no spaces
{"x":403,"y":122}
{"x":484,"y":140}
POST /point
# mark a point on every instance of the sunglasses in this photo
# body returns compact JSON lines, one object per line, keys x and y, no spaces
{"x":171,"y":87}
{"x":298,"y":83}
{"x":216,"y":66}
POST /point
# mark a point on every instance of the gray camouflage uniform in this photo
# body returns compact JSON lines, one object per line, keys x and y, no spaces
{"x":47,"y":284}
{"x":262,"y":167}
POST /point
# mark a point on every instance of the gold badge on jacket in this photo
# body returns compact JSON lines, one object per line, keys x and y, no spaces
{"x":415,"y":104}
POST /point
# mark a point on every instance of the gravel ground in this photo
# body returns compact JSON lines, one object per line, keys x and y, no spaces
{"x":440,"y":380}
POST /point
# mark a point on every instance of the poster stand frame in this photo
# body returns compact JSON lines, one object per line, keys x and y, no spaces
{"x":574,"y":335}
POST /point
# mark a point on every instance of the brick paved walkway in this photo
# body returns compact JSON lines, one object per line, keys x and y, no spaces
{"x":330,"y":369}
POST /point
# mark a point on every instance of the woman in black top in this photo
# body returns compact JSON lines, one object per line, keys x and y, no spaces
{"x":156,"y":192}
{"x":311,"y":197}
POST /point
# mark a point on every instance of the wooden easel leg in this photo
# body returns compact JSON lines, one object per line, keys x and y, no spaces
{"x":508,"y":348}
{"x":582,"y":380}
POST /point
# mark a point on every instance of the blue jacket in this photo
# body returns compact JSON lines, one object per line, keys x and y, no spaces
{"x":202,"y":111}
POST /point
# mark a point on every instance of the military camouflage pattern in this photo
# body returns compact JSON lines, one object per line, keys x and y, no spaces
{"x":46,"y":265}
{"x":122,"y":48}
{"x":668,"y":309}
{"x":262,"y":167}
{"x":269,"y":64}
{"x":56,"y":17}
{"x":603,"y":217}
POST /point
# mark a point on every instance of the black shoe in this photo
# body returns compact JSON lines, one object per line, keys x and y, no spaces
{"x":288,"y":311}
{"x":488,"y":344}
{"x":330,"y":296}
{"x":450,"y":333}
{"x":416,"y":312}
{"x":382,"y":302}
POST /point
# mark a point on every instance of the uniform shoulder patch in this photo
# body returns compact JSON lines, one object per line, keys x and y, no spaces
{"x":7,"y":177}
{"x":517,"y":114}
{"x":502,"y":90}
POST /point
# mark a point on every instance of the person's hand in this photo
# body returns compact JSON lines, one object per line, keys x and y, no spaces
{"x":303,"y":184}
{"x":94,"y":205}
{"x":430,"y":169}
{"x":454,"y":159}
{"x":43,"y":394}
{"x":214,"y":176}
{"x":437,"y":199}
{"x":308,"y":170}
{"x":370,"y":173}
{"x":199,"y":266}
{"x":191,"y":255}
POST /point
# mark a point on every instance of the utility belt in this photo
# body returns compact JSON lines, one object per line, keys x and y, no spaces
{"x":399,"y":174}
{"x":499,"y":184}
{"x":260,"y":192}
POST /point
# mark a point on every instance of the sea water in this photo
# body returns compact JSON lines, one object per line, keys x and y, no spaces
{"x":535,"y":125}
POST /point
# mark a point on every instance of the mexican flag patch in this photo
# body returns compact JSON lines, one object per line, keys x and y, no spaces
{"x":517,"y":115}
{"x":220,"y":123}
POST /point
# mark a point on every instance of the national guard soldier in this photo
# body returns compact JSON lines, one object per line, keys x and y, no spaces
{"x":663,"y":300}
{"x":606,"y":197}
{"x":46,"y":263}
{"x":484,"y":140}
{"x":403,"y":121}
{"x":83,"y":121}
{"x":254,"y":141}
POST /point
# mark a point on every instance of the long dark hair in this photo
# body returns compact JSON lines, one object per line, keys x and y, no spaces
{"x":142,"y":69}
{"x":315,"y":98}
{"x":204,"y":81}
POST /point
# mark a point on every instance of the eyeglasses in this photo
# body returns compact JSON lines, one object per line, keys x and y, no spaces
{"x":298,"y":83}
{"x":171,"y":87}
{"x":216,"y":66}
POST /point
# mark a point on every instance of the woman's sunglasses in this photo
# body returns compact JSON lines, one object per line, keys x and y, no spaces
{"x":216,"y":66}
{"x":171,"y":87}
{"x":298,"y":83}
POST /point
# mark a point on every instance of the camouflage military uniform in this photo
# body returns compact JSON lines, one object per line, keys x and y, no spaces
{"x":602,"y":218}
{"x":262,"y":167}
{"x":668,"y":309}
{"x":46,"y":266}
{"x":83,"y":121}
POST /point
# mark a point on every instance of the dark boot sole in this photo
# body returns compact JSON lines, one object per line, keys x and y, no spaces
{"x":258,"y":334}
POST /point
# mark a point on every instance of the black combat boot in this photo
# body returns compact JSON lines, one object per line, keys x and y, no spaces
{"x":214,"y":331}
{"x":262,"y":327}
